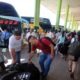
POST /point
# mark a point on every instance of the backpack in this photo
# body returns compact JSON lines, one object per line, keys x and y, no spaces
{"x":63,"y":47}
{"x":47,"y":38}
{"x":74,"y":49}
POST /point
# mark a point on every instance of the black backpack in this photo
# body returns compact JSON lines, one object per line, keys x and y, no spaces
{"x":63,"y":47}
{"x":74,"y":49}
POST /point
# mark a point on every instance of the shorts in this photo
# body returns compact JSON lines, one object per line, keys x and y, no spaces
{"x":73,"y":58}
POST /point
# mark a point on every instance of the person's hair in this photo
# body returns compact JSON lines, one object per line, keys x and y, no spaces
{"x":17,"y":32}
{"x":31,"y":37}
{"x":69,"y":34}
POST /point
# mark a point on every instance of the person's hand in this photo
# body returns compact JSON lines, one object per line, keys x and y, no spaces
{"x":29,"y":61}
{"x":13,"y":61}
{"x":52,"y":56}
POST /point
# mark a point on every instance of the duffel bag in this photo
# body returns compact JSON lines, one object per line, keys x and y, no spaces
{"x":23,"y":71}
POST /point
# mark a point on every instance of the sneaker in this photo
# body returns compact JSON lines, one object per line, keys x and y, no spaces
{"x":43,"y":77}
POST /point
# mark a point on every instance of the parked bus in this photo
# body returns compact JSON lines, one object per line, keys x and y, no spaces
{"x":9,"y":20}
{"x":44,"y":23}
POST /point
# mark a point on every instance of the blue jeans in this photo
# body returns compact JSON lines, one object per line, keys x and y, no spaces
{"x":45,"y":62}
{"x":18,"y":56}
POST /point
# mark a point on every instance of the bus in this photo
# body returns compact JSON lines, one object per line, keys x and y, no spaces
{"x":44,"y":23}
{"x":9,"y":20}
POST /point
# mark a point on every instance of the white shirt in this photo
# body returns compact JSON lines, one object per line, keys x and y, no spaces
{"x":50,"y":35}
{"x":58,"y":34}
{"x":61,"y":39}
{"x":72,"y":40}
{"x":27,"y":35}
{"x":31,"y":34}
{"x":34,"y":34}
{"x":15,"y":44}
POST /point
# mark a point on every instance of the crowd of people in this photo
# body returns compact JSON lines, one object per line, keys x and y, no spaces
{"x":4,"y":37}
{"x":47,"y":44}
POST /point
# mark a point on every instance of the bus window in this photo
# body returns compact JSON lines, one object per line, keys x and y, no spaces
{"x":9,"y":20}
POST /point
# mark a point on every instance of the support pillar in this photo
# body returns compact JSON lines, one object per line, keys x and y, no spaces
{"x":66,"y":18}
{"x":72,"y":24}
{"x":59,"y":4}
{"x":37,"y":13}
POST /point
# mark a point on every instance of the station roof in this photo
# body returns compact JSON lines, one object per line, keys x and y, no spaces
{"x":74,"y":7}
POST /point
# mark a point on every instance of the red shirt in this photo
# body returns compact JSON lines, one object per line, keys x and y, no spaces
{"x":46,"y":49}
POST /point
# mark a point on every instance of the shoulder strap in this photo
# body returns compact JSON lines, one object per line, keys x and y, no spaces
{"x":48,"y":40}
{"x":42,"y":42}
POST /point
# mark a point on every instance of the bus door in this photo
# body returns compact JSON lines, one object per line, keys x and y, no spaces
{"x":7,"y":27}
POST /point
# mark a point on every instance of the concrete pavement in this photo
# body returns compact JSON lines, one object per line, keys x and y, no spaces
{"x":58,"y":70}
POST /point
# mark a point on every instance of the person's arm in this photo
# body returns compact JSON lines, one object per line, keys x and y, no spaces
{"x":31,"y":55}
{"x":52,"y":51}
{"x":12,"y":50}
{"x":13,"y":56}
{"x":1,"y":29}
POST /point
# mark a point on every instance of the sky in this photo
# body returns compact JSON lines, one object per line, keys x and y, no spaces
{"x":27,"y":8}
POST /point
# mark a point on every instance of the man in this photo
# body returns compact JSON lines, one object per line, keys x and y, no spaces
{"x":47,"y":53}
{"x":15,"y":43}
{"x":74,"y":55}
{"x":5,"y":36}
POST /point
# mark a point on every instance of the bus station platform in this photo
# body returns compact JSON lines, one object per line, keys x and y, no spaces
{"x":58,"y":69}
